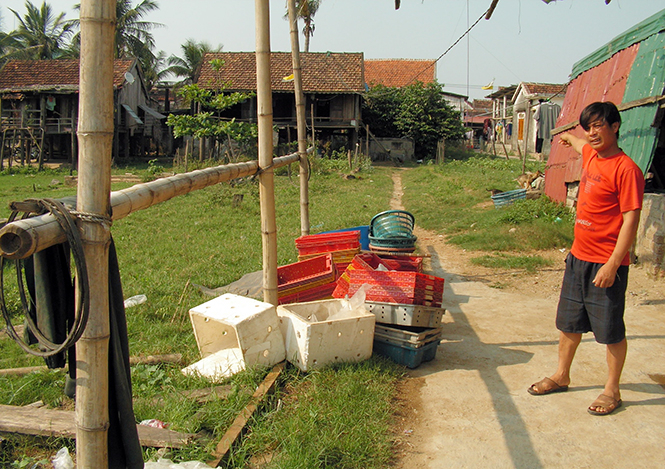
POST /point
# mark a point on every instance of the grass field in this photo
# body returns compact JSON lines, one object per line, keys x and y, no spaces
{"x":204,"y":239}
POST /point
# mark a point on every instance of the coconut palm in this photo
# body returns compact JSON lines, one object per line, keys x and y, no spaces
{"x":305,"y":11}
{"x":133,"y":37}
{"x":154,"y":68}
{"x":132,"y":34}
{"x":41,"y":33}
{"x":7,"y":43}
{"x":192,"y":56}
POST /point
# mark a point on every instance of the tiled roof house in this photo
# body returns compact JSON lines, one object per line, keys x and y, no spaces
{"x":39,"y":104}
{"x":332,"y":84}
{"x":397,"y":73}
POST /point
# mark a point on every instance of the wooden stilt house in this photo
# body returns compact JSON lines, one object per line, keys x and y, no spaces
{"x":39,"y":102}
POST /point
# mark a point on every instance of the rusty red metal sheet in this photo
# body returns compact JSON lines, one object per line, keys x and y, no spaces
{"x":605,"y":82}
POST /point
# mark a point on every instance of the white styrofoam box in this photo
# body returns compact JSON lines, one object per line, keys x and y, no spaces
{"x":233,"y":332}
{"x":316,"y":333}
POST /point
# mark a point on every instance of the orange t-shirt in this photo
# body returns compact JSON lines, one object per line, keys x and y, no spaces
{"x":609,"y":187}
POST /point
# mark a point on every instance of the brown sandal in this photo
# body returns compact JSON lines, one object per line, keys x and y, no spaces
{"x":546,"y":386}
{"x":605,"y":402}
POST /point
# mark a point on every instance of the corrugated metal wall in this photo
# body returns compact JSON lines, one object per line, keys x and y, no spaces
{"x":635,"y":72}
{"x":647,"y":78}
{"x":606,"y":82}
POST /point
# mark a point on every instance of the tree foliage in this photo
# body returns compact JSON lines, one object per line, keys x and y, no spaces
{"x":41,"y":34}
{"x":305,"y":11}
{"x":192,"y":55}
{"x":417,"y":111}
{"x":207,"y":123}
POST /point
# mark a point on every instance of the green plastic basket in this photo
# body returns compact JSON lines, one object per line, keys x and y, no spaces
{"x":392,"y":224}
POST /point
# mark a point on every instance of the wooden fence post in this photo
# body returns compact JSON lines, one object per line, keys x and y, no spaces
{"x":266,"y":177}
{"x":95,"y":135}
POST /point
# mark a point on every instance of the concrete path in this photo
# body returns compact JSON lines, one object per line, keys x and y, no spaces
{"x":474,"y":410}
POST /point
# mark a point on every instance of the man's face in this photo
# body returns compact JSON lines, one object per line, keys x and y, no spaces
{"x":601,"y":135}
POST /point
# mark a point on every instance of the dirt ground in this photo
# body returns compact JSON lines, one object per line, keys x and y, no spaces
{"x":469,"y":406}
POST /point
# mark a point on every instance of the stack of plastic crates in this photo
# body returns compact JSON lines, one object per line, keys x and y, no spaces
{"x":343,"y":246}
{"x":392,"y":232}
{"x":308,"y":280}
{"x":372,"y":261}
{"x":407,"y":305}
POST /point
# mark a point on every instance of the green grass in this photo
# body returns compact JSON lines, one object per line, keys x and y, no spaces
{"x":454,"y":199}
{"x":505,"y":261}
{"x":196,"y":239}
{"x":335,"y":417}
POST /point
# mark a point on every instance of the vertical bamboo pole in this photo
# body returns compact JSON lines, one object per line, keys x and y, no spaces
{"x":527,"y":124}
{"x":266,"y":177}
{"x":95,"y":133}
{"x":300,"y":119}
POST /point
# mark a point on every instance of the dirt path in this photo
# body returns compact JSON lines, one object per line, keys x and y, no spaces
{"x":469,"y":406}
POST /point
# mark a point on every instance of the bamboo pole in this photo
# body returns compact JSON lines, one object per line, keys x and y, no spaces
{"x":95,"y":134}
{"x":23,"y":238}
{"x":266,"y":176}
{"x":300,"y":119}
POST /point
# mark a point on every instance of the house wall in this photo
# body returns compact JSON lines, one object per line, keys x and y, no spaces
{"x":383,"y":149}
{"x":526,"y":107}
{"x":131,"y":94}
{"x":650,"y":243}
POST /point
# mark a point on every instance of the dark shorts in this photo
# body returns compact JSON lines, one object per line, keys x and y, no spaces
{"x":583,"y":307}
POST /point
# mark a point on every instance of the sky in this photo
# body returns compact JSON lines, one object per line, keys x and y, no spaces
{"x":525,"y":40}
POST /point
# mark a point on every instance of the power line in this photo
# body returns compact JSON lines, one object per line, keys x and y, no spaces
{"x":449,"y":48}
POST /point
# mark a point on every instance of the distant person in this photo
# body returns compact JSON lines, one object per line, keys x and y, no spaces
{"x":594,"y":284}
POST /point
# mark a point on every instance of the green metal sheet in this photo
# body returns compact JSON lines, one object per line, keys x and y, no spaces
{"x":637,"y":137}
{"x":652,"y":25}
{"x":647,"y":78}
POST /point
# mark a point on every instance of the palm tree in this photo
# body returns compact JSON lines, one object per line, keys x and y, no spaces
{"x":305,"y":10}
{"x":188,"y":65}
{"x":132,"y":34}
{"x":41,"y":34}
{"x":133,"y":37}
{"x":154,"y":68}
{"x":7,"y":43}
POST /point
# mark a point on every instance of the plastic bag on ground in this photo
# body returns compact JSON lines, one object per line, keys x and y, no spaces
{"x":162,"y":463}
{"x":62,"y":459}
{"x":353,"y":306}
{"x":135,"y":300}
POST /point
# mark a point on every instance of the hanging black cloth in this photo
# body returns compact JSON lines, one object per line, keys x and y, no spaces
{"x":123,"y":444}
{"x":49,"y":282}
{"x":48,"y":279}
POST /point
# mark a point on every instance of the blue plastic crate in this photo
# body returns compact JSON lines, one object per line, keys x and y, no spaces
{"x":364,"y":235}
{"x":508,"y":197}
{"x":404,"y":355}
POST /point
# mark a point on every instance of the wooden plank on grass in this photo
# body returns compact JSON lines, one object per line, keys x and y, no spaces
{"x":238,"y":425}
{"x":62,"y":423}
{"x":146,"y":360}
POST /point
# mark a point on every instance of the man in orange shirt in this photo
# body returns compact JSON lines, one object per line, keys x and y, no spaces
{"x":594,"y":284}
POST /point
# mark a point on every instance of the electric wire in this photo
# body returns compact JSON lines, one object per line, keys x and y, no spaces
{"x":68,"y":224}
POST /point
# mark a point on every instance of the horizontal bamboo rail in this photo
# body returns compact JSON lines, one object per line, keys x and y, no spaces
{"x":23,"y":238}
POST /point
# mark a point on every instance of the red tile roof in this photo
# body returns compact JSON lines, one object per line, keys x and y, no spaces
{"x":51,"y":75}
{"x":322,"y":72}
{"x":545,"y":89}
{"x":399,"y":72}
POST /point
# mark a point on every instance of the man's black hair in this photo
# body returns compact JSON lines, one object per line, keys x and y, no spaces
{"x":606,"y":111}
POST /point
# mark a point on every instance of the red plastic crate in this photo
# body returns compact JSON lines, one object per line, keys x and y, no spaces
{"x":328,"y":242}
{"x":402,"y":262}
{"x":301,"y":275}
{"x":370,"y":261}
{"x":392,"y":286}
{"x":321,"y":292}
